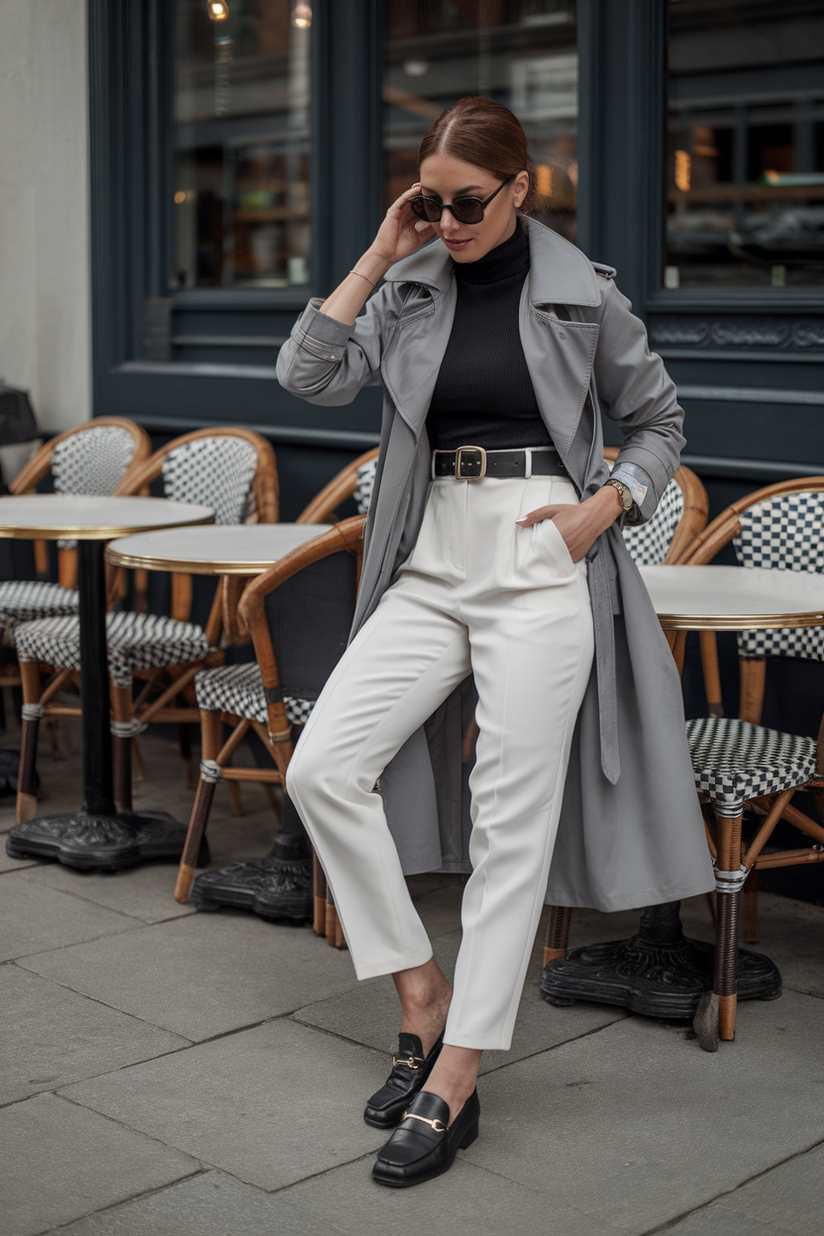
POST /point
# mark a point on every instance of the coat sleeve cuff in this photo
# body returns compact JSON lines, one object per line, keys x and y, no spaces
{"x":639,"y":484}
{"x":324,"y":337}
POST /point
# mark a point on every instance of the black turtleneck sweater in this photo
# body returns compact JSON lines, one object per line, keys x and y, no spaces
{"x":484,"y":396}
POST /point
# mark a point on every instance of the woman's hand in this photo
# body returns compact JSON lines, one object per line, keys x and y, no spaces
{"x":580,"y":525}
{"x":402,"y":232}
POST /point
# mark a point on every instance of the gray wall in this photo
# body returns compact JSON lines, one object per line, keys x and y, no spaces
{"x":44,"y":212}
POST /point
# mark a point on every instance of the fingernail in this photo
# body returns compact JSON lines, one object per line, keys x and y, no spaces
{"x":522,"y":522}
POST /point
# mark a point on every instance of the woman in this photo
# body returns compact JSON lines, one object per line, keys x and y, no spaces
{"x":492,"y":550}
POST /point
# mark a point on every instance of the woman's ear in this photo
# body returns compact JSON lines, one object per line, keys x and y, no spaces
{"x":521,"y":188}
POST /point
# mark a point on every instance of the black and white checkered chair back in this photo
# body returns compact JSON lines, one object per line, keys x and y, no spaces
{"x":365,"y":485}
{"x":218,"y":472}
{"x":785,"y":533}
{"x":648,"y":543}
{"x":93,"y":461}
{"x":309,"y":618}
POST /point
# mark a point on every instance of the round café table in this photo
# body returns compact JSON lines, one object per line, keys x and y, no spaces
{"x":95,"y":836}
{"x":660,"y":972}
{"x":216,"y":549}
{"x":242,"y":550}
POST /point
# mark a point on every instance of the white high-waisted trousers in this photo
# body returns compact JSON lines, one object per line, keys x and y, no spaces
{"x":477,"y":593}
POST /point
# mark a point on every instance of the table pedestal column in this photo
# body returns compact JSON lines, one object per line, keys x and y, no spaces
{"x":658,"y":972}
{"x":97,"y":837}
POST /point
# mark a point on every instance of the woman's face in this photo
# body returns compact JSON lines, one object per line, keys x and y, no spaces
{"x":445,"y":177}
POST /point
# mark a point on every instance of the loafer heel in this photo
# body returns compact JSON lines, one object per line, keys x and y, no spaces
{"x":469,"y":1137}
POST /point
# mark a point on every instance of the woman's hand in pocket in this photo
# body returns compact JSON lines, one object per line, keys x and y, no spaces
{"x":581,"y":525}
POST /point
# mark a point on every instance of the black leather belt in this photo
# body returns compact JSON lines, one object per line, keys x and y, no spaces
{"x":471,"y":463}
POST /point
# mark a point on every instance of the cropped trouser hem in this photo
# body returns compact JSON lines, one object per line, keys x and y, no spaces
{"x":392,"y":965}
{"x":480,"y":595}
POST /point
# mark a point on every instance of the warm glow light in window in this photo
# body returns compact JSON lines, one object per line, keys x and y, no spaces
{"x":180,"y":196}
{"x":302,"y":15}
{"x":683,"y":170}
{"x":543,"y":177}
{"x":218,"y":10}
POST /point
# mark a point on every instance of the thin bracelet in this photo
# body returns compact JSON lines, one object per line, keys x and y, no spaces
{"x":360,"y":276}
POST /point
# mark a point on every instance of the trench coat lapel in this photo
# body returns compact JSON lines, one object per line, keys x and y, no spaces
{"x":412,"y":361}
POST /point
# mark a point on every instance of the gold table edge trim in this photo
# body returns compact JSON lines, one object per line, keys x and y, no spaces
{"x":185,"y":565}
{"x":65,"y":532}
{"x":740,"y":622}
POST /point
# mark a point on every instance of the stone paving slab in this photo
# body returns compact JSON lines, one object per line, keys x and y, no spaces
{"x":271,"y":1105}
{"x":201,"y":975}
{"x":50,"y":1036}
{"x":34,"y":918}
{"x":370,"y":1014}
{"x":787,"y":1199}
{"x":467,"y":1201}
{"x":145,"y":893}
{"x":61,"y":1161}
{"x":663,"y":1126}
{"x":211,"y":1204}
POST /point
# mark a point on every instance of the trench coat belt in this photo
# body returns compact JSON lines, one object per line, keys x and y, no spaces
{"x":603,"y":599}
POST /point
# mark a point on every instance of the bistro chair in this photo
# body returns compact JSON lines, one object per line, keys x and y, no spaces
{"x":664,"y":540}
{"x":739,"y":762}
{"x":356,"y":481}
{"x":232,"y":470}
{"x":94,"y":458}
{"x":298,"y":614}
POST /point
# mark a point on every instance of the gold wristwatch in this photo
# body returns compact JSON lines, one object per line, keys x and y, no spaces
{"x":624,"y":494}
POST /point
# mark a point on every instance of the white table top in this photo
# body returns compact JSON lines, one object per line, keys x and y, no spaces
{"x":219,"y":549}
{"x":729,"y":598}
{"x":83,"y":517}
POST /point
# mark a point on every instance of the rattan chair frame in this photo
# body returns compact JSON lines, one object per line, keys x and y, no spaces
{"x":717,"y":1015}
{"x":278,"y":735}
{"x":342,"y":486}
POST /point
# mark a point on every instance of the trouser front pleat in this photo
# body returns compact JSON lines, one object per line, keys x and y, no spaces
{"x":478,"y":594}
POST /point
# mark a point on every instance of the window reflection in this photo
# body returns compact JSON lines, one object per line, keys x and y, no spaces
{"x":745,"y":193}
{"x":518,"y":52}
{"x":241,"y":200}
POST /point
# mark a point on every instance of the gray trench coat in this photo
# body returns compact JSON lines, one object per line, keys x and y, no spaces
{"x":631,"y":831}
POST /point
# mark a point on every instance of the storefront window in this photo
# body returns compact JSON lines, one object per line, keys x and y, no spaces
{"x":520,"y":52}
{"x":745,"y":165}
{"x":241,"y":108}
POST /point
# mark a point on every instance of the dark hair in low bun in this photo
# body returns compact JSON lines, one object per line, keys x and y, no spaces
{"x":485,"y":134}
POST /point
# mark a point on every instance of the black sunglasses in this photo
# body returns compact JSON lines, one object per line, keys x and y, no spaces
{"x":464,"y":209}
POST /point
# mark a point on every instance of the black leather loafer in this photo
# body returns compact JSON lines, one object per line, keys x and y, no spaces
{"x":422,"y":1146}
{"x":410,"y":1070}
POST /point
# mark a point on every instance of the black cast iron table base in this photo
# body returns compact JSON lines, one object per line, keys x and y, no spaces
{"x":659,"y":972}
{"x":99,"y":842}
{"x":274,"y":888}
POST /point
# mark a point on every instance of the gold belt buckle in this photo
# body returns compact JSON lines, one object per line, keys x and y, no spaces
{"x":478,"y":463}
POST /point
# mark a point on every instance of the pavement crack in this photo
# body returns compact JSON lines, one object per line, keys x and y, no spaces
{"x":133,"y":1197}
{"x":671,"y":1223}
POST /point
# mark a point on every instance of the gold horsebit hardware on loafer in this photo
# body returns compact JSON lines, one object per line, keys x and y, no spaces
{"x":437,"y":1125}
{"x":411,"y":1062}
